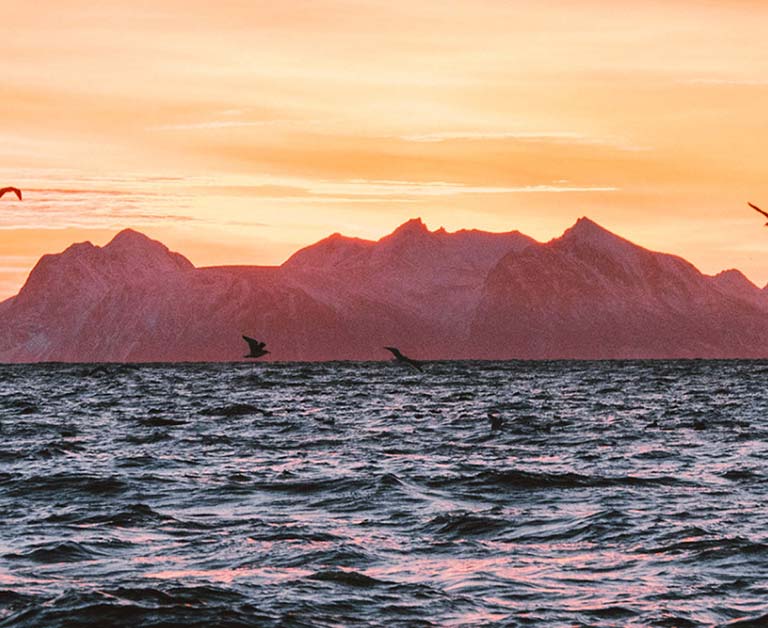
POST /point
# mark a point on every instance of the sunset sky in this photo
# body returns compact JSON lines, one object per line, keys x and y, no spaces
{"x":239,"y":131}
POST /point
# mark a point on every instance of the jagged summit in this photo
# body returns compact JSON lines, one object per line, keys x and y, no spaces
{"x":587,"y":230}
{"x":412,"y":226}
{"x":586,"y":233}
{"x":79,"y":249}
{"x":585,"y":224}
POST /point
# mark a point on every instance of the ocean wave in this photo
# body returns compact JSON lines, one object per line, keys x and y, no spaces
{"x":465,"y":524}
{"x":196,"y":607}
{"x":131,"y":515}
{"x":232,"y":410}
{"x":348,"y":578}
{"x":64,"y":552}
{"x":529,"y":480}
{"x":59,"y":485}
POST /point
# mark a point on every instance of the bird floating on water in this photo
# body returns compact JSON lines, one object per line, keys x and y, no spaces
{"x":16,"y":191}
{"x":404,"y":359}
{"x":256,"y":348}
{"x":757,"y":209}
{"x":495,"y":419}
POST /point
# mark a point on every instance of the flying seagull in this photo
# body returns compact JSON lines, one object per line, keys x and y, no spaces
{"x":404,"y":359}
{"x":256,"y":348}
{"x":757,"y":209}
{"x":16,"y":191}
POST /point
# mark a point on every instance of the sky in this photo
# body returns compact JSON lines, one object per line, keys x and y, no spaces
{"x":239,"y":131}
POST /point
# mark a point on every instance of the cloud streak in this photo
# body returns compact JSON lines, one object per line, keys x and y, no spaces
{"x":560,"y":137}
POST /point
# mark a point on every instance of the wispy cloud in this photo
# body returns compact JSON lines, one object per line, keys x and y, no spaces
{"x":221,"y":124}
{"x":567,"y":137}
{"x":385,"y":188}
{"x":328,"y":129}
{"x":71,"y":203}
{"x":57,"y":199}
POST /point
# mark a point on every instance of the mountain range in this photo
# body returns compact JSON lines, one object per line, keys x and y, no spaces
{"x":588,"y":294}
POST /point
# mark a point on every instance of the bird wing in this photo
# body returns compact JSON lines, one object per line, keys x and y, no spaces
{"x":394,"y":351}
{"x":16,"y":191}
{"x":757,"y":209}
{"x":254,"y":344}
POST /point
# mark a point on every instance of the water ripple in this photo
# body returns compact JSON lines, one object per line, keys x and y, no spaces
{"x":614,"y":493}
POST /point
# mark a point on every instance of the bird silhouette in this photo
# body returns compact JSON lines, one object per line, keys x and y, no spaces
{"x":16,"y":191}
{"x":757,"y":209}
{"x":404,"y":359}
{"x":256,"y":348}
{"x":495,"y":419}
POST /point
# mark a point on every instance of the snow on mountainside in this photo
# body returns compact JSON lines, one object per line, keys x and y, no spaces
{"x":592,"y":294}
{"x":54,"y":305}
{"x":129,"y":258}
{"x":434,"y":276}
{"x":435,"y":294}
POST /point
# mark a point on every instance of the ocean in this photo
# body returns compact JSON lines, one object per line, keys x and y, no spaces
{"x":623,"y":493}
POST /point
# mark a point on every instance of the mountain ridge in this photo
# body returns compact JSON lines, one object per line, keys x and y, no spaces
{"x":588,"y":293}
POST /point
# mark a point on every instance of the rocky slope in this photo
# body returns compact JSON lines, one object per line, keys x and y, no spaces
{"x":592,"y":294}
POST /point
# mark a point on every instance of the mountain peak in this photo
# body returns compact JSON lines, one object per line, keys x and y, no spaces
{"x":412,"y":226}
{"x":586,"y":231}
{"x":733,"y":279}
{"x":135,"y":248}
{"x":130,"y":238}
{"x":465,"y":294}
{"x":733,"y":274}
{"x":586,"y":228}
{"x":333,"y":251}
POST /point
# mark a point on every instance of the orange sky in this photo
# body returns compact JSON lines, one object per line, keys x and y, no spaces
{"x":238,"y":131}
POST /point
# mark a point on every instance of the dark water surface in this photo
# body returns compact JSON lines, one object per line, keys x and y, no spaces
{"x":615,"y":494}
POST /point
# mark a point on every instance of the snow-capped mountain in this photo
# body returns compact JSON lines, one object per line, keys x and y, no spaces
{"x":592,"y":294}
{"x":435,"y":294}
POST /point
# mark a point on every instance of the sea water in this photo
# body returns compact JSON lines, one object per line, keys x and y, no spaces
{"x":365,"y":494}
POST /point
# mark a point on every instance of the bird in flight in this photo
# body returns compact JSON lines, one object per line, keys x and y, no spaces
{"x":757,"y":209}
{"x":256,"y":348}
{"x":16,"y":191}
{"x":404,"y":359}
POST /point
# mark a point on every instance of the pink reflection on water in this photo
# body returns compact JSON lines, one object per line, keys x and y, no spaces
{"x":150,"y":560}
{"x":477,"y":618}
{"x":368,"y":541}
{"x":292,"y":544}
{"x":6,"y":578}
{"x":581,"y":575}
{"x":227,"y":576}
{"x":455,"y":572}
